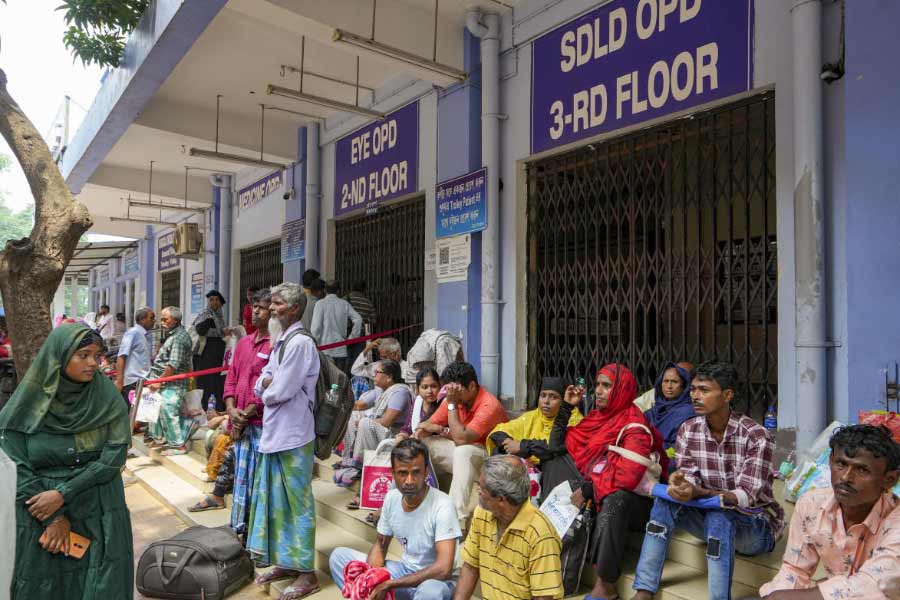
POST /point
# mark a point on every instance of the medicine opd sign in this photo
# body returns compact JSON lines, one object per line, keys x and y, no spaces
{"x":630,"y":61}
{"x":378,"y":162}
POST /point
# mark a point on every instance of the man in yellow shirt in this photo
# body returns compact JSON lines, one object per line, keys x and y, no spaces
{"x":512,"y":546}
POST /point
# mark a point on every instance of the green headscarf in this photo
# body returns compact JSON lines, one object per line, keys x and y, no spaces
{"x":45,"y":400}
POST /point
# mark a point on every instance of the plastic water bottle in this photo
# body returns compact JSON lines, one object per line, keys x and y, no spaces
{"x":211,"y":407}
{"x":584,"y":394}
{"x":770,"y":421}
{"x":328,"y":413}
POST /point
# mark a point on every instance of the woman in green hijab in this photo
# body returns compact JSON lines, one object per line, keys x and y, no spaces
{"x":67,"y":430}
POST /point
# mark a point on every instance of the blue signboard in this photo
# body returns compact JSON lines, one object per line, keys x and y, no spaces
{"x":131,"y":263}
{"x":196,"y":293}
{"x":461,"y":204}
{"x":378,"y":162}
{"x":165,"y":253}
{"x":254,"y":193}
{"x":293,"y":240}
{"x":631,"y":61}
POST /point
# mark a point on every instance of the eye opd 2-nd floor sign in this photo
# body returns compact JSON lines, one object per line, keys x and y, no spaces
{"x":630,"y":61}
{"x":378,"y":162}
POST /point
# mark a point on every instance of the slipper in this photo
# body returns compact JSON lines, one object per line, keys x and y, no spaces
{"x":157,"y":443}
{"x":295,"y":593}
{"x":276,"y":574}
{"x":206,"y":504}
{"x":353,"y":505}
{"x":173,"y":452}
{"x":372,"y":518}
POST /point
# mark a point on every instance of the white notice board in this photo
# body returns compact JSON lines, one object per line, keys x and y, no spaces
{"x":453,"y":257}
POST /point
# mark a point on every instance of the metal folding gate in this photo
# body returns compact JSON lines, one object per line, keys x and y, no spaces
{"x":261,"y":267}
{"x":387,"y":251}
{"x":170,"y":292}
{"x":659,"y":246}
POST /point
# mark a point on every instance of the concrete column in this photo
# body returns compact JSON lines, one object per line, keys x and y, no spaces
{"x":74,"y":307}
{"x":129,"y":304}
{"x":313,"y":195}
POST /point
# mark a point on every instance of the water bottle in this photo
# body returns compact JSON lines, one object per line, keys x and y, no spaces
{"x":211,"y":407}
{"x":584,"y":394}
{"x":770,"y":421}
{"x":328,"y":413}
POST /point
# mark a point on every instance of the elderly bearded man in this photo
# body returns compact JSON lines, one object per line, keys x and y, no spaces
{"x":282,"y":524}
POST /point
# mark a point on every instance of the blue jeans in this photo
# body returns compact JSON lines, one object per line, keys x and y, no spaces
{"x":725,"y":532}
{"x":430,"y":589}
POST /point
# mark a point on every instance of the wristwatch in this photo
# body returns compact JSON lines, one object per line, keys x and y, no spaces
{"x":451,"y":406}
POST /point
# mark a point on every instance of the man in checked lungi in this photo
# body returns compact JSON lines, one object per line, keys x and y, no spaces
{"x":245,"y":412}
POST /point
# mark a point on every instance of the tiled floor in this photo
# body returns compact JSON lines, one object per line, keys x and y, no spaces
{"x":151,"y":521}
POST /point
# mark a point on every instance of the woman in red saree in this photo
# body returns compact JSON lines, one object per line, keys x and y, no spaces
{"x":603,"y":477}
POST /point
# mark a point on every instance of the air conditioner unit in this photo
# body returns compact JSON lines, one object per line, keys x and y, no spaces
{"x":188,"y":240}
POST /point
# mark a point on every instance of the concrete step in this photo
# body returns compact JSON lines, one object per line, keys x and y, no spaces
{"x":324,"y":471}
{"x":190,"y":468}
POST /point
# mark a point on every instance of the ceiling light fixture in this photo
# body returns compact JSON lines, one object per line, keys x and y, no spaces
{"x":234,"y":158}
{"x":166,"y":207}
{"x":276,"y":90}
{"x":135,"y":220}
{"x":447,"y":75}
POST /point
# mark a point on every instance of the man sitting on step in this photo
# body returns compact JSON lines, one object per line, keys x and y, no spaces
{"x":423,"y":520}
{"x":455,"y":434}
{"x":719,"y":454}
{"x":852,"y":528}
{"x":512,"y":547}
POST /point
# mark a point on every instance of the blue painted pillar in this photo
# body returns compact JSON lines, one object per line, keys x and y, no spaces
{"x":459,"y":152}
{"x":295,"y":208}
{"x":148,"y":268}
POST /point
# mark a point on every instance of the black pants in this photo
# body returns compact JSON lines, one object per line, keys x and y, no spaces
{"x":213,"y":355}
{"x":620,"y":513}
{"x":125,"y":390}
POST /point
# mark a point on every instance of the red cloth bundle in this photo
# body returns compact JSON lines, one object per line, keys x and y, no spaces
{"x":360,"y":579}
{"x":891,"y":420}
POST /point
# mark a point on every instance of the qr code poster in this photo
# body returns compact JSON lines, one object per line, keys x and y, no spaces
{"x":453,"y":257}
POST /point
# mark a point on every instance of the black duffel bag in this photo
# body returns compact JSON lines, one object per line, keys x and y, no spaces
{"x":200,"y":563}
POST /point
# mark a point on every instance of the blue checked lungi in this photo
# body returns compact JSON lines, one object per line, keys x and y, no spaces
{"x":246,"y":457}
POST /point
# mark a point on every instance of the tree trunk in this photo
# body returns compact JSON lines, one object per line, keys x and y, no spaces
{"x":32,"y":268}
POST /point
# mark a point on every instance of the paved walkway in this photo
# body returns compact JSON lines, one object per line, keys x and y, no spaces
{"x":151,"y":521}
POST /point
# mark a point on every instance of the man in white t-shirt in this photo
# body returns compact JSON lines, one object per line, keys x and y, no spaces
{"x":424,"y":521}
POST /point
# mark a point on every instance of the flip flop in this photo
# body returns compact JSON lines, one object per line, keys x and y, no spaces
{"x":276,"y":574}
{"x":295,"y":593}
{"x":589,"y":597}
{"x":353,"y":505}
{"x":206,"y":504}
{"x":372,"y":518}
{"x":173,"y":452}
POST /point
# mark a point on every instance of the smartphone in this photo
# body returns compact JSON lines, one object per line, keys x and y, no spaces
{"x":78,"y":545}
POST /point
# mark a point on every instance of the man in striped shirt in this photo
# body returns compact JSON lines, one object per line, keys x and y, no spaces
{"x":512,"y":547}
{"x":719,"y":455}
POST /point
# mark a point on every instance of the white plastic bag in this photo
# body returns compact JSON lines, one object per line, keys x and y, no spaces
{"x":192,"y":407}
{"x":559,"y":508}
{"x":149,"y":407}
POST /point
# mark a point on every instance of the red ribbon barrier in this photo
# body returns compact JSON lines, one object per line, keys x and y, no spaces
{"x":214,"y":370}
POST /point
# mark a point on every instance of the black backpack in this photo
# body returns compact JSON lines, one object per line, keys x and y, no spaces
{"x":329,"y":373}
{"x":200,"y":563}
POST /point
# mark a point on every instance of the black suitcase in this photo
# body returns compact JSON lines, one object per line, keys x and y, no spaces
{"x":200,"y":563}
